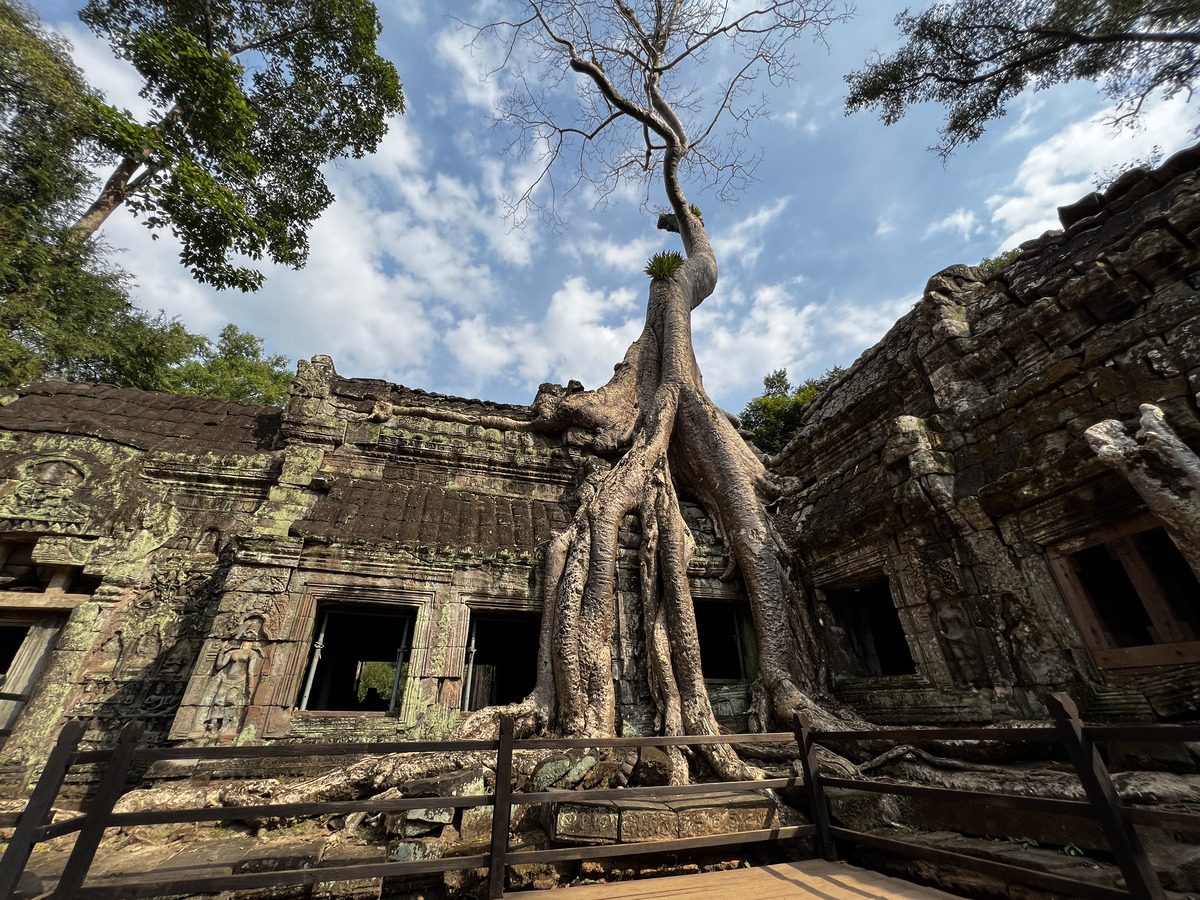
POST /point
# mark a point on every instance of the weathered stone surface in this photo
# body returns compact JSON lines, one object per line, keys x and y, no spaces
{"x":647,"y":821}
{"x":592,"y":822}
{"x":723,"y":813}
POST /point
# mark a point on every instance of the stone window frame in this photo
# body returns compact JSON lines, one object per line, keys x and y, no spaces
{"x":1090,"y":625}
{"x":468,"y":604}
{"x":367,"y":598}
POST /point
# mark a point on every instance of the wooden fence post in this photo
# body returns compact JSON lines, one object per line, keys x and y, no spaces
{"x":109,"y":791}
{"x":502,"y":810}
{"x":817,"y":804}
{"x":1123,"y":841}
{"x":37,"y":810}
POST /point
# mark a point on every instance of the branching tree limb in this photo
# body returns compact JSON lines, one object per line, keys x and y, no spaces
{"x":974,"y":56}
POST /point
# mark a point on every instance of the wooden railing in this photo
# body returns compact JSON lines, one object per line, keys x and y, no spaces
{"x":33,"y":826}
{"x":1079,"y":741}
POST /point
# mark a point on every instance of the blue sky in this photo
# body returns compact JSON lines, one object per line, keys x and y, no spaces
{"x":415,"y":276}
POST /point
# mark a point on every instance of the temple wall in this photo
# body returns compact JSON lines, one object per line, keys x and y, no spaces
{"x":362,"y":565}
{"x":948,"y":468}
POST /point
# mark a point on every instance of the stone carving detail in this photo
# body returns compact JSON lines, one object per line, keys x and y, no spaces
{"x":1162,"y":469}
{"x":46,"y":496}
{"x":238,"y":665}
{"x":959,"y":636}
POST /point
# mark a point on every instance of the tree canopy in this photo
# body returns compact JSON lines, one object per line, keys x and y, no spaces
{"x":974,"y":56}
{"x":64,"y":308}
{"x":612,"y":88}
{"x":250,"y":98}
{"x":773,"y":418}
{"x":235,"y":369}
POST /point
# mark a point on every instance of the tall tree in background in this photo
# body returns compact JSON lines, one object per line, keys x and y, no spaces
{"x":63,"y":309}
{"x":974,"y":56}
{"x":249,"y":99}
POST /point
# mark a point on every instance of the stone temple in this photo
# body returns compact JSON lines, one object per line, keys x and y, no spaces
{"x":999,"y":500}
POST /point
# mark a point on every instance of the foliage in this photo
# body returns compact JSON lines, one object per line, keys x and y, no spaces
{"x":773,"y":418}
{"x":990,"y":266}
{"x":974,"y":56}
{"x":234,"y":369}
{"x":664,"y":264}
{"x":63,"y":310}
{"x":250,"y":99}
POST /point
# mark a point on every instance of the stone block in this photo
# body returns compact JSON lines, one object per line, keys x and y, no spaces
{"x":550,"y":771}
{"x":723,"y":813}
{"x":424,"y":821}
{"x":576,"y":773}
{"x":596,"y":822}
{"x":476,"y":827}
{"x":647,"y":821}
{"x":413,"y":850}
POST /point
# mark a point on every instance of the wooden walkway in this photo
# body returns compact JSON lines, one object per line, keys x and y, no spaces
{"x":812,"y":878}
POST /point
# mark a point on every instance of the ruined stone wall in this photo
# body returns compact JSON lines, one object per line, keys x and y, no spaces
{"x":183,"y":554}
{"x":951,"y":461}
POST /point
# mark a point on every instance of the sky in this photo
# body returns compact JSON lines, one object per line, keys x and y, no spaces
{"x":416,"y":277}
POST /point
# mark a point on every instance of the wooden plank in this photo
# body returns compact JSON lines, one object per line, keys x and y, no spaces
{"x":151,"y":886}
{"x":818,"y":806}
{"x":1152,"y":733}
{"x":644,"y":848}
{"x":1150,"y":592}
{"x":289,"y":810}
{"x":37,"y":810}
{"x":655,"y":792}
{"x":502,"y":810}
{"x":652,"y":741}
{"x":111,"y":787}
{"x":921,"y":735}
{"x":1095,"y":634}
{"x":810,"y":879}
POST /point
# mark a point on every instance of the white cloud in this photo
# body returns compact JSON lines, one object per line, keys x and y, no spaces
{"x":850,"y":326}
{"x":1060,"y":169}
{"x":884,"y":226}
{"x":470,"y":65}
{"x":961,"y":221}
{"x":577,"y":338}
{"x":743,"y":240}
{"x":738,"y":339}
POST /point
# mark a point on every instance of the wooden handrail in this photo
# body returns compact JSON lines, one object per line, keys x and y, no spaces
{"x":31,"y":827}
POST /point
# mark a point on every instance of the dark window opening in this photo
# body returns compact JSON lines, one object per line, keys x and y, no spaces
{"x":11,"y":638}
{"x":501,"y":665}
{"x":1140,"y":589}
{"x":867,"y":635}
{"x":721,"y":628}
{"x":359,"y":661}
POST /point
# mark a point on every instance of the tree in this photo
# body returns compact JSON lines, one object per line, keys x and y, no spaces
{"x":774,"y":418}
{"x":249,"y":99}
{"x":652,"y":433}
{"x":974,"y":56}
{"x":235,"y":369}
{"x":63,"y":310}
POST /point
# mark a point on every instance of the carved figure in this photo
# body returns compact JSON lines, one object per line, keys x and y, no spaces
{"x":959,"y":637}
{"x":237,"y":668}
